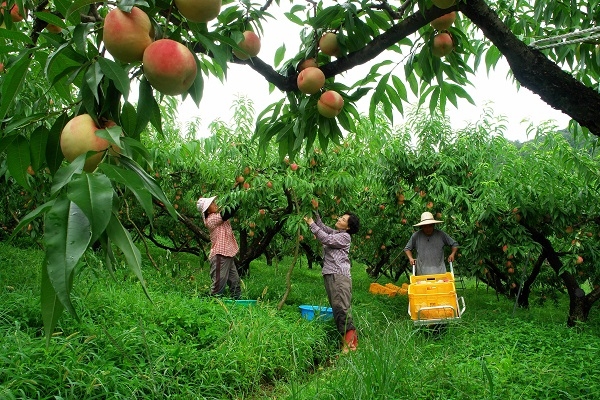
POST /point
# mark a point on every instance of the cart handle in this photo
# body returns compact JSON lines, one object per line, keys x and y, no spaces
{"x":464,"y":306}
{"x":415,"y":265}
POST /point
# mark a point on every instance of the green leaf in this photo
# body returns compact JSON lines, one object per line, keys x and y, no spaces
{"x":30,"y":217}
{"x":197,"y":88}
{"x":63,"y":175}
{"x":15,"y":36}
{"x":12,"y":83}
{"x":128,"y":118}
{"x":37,"y":143}
{"x":93,"y":194}
{"x":93,"y":77}
{"x":279,"y":54}
{"x":152,"y":107}
{"x":394,"y":98}
{"x":51,"y":306}
{"x":149,"y":183}
{"x":433,"y":101}
{"x":50,"y":18}
{"x":491,"y":58}
{"x":120,"y":237}
{"x":54,"y":155}
{"x":67,"y":235}
{"x":133,"y":183}
{"x":400,"y":88}
{"x":145,"y":107}
{"x":18,"y":159}
{"x":117,"y":74}
{"x":77,"y":4}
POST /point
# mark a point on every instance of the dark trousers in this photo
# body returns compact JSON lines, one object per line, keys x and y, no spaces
{"x":223,"y":272}
{"x":339,"y":293}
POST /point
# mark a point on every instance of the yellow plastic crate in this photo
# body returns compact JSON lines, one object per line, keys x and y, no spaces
{"x":377,"y":288}
{"x":433,"y":278}
{"x":433,"y":294}
{"x":397,"y":289}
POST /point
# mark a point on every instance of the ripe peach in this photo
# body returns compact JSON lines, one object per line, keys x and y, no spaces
{"x":309,"y":62}
{"x":15,"y":13}
{"x":250,"y":46}
{"x":310,"y":80}
{"x":199,"y":10}
{"x":79,"y":136}
{"x":53,"y":28}
{"x":127,"y":35}
{"x":329,"y":44}
{"x":330,"y":104}
{"x":442,"y":44}
{"x":294,"y":166}
{"x":169,"y":66}
{"x":444,"y":22}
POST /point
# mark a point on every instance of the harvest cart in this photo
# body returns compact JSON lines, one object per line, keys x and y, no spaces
{"x":432,"y":299}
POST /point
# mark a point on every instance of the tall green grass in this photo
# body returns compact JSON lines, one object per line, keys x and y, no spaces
{"x":184,"y":345}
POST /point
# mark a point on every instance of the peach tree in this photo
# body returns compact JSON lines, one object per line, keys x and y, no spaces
{"x":525,"y":215}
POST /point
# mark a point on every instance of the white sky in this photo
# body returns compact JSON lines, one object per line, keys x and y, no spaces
{"x":520,"y":107}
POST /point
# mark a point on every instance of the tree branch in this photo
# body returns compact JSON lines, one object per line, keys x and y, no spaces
{"x":535,"y":71}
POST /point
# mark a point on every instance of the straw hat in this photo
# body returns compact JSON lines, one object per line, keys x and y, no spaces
{"x":204,"y":202}
{"x":427,"y":218}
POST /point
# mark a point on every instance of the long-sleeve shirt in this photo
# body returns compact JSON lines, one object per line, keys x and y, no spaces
{"x":221,"y":236}
{"x":430,"y":251}
{"x":336,"y":247}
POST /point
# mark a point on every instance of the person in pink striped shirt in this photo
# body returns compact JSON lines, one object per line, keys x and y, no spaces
{"x":336,"y":271}
{"x":223,"y":248}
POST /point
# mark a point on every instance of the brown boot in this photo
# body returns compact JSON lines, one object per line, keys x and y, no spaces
{"x":350,"y":341}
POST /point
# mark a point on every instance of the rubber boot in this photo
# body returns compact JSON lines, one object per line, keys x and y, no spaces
{"x":350,"y":341}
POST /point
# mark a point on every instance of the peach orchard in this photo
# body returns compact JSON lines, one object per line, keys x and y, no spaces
{"x":78,"y":147}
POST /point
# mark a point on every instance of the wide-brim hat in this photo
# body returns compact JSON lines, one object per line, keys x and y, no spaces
{"x":204,"y":202}
{"x":427,"y":219}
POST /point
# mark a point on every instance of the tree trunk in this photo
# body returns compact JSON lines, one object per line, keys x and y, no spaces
{"x":311,"y":257}
{"x":523,"y":300}
{"x":579,"y":303}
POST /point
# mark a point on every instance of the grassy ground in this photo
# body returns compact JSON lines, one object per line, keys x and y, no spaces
{"x":187,"y":346}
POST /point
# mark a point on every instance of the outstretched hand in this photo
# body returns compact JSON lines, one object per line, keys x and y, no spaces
{"x":308,"y":219}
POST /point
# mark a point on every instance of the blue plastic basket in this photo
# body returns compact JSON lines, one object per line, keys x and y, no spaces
{"x":320,"y":313}
{"x":244,"y":303}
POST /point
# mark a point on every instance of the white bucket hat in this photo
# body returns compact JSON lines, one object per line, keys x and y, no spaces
{"x":203,"y":204}
{"x":427,"y":218}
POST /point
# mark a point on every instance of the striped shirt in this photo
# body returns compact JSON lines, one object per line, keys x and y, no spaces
{"x":336,"y":246}
{"x":221,"y":236}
